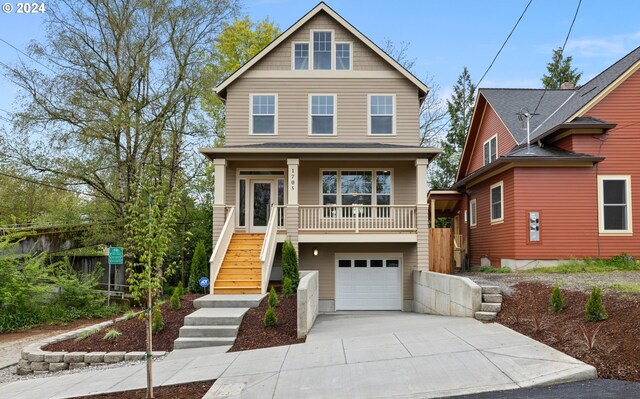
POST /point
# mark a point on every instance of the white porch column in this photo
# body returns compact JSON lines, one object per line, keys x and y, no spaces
{"x":292,"y":214}
{"x":219,"y":200}
{"x":422,"y":214}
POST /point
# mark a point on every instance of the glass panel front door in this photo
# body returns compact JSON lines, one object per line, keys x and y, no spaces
{"x":260,"y":205}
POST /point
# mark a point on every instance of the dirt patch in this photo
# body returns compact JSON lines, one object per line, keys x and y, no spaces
{"x":190,"y":390}
{"x":253,"y":334}
{"x":616,"y":351}
{"x":133,"y":333}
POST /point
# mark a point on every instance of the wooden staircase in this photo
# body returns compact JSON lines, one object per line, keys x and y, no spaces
{"x":241,"y":270}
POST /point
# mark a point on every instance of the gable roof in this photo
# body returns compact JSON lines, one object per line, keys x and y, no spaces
{"x":322,"y":7}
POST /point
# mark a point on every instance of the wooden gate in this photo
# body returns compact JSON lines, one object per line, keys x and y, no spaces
{"x":440,"y":251}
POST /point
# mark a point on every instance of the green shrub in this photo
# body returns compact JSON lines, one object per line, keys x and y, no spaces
{"x":199,"y":267}
{"x":557,"y":300}
{"x":180,"y":289}
{"x":175,"y":300}
{"x":290,"y":263}
{"x":595,"y":308}
{"x":129,"y":315}
{"x":270,"y":318}
{"x":86,"y":334}
{"x":157,"y":322}
{"x":273,"y":298}
{"x":491,"y":269}
{"x":112,"y":335}
{"x":287,"y":287}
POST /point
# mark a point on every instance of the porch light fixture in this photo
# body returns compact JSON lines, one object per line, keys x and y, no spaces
{"x":315,"y":252}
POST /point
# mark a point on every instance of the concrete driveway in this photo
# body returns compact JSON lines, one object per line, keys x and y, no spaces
{"x":392,"y":354}
{"x":359,"y":355}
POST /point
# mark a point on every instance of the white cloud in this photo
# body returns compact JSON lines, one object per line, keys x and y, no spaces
{"x":614,"y":46}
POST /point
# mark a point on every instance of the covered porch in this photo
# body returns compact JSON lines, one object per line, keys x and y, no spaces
{"x":448,"y":241}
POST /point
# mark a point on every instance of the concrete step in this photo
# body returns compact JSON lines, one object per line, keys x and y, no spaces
{"x":491,"y":307}
{"x":215,"y":317}
{"x":492,"y":298}
{"x":209,"y":331}
{"x":185,"y":342}
{"x":229,"y":301}
{"x":490,"y":289}
{"x":486,"y":316}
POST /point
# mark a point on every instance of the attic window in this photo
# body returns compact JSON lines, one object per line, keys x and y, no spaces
{"x":491,"y":150}
{"x":322,"y":44}
{"x":301,"y":56}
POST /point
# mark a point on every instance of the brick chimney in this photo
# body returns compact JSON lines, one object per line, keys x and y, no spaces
{"x":567,"y":86}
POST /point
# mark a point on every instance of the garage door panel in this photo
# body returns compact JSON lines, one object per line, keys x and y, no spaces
{"x":368,"y":288}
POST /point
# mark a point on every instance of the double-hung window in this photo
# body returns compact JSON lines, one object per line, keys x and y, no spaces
{"x":381,"y":114}
{"x":343,"y":56}
{"x":301,"y":56}
{"x":322,"y":114}
{"x":322,"y":45}
{"x":263,"y":114}
{"x":614,"y":197}
{"x":383,"y":191}
{"x":490,"y":150}
{"x":497,"y":202}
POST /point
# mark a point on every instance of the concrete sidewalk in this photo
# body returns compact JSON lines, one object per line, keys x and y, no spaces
{"x":388,"y":354}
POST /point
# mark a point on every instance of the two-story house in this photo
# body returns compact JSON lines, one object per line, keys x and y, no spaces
{"x":566,"y":188}
{"x":322,"y":150}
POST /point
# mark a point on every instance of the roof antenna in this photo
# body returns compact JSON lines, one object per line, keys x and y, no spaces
{"x":524,"y":116}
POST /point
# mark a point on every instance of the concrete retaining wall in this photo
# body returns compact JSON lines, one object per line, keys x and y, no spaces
{"x":445,"y":295}
{"x":307,"y":301}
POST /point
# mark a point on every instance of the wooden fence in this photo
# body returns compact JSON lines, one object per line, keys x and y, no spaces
{"x":440,"y":251}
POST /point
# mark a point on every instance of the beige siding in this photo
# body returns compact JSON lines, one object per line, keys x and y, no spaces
{"x":364,"y":59}
{"x":293,"y":109}
{"x":326,"y":266}
{"x":403,"y":180}
{"x":232,"y":178}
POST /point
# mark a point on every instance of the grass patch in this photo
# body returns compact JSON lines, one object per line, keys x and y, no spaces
{"x":626,"y":288}
{"x":491,"y":269}
{"x":622,"y":262}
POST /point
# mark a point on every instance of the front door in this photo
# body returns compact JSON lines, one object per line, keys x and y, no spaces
{"x":260,"y":205}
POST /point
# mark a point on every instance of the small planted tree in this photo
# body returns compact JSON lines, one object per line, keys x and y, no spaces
{"x":157,"y":324}
{"x":595,"y":308}
{"x":273,"y":298}
{"x":557,"y":300}
{"x":287,"y":287}
{"x":290,"y":264}
{"x":180,"y":289}
{"x":199,"y":267}
{"x":175,"y":300}
{"x":270,"y":318}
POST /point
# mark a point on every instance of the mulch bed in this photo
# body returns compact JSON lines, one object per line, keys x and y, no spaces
{"x":616,"y":353}
{"x":254,"y":335}
{"x":133,"y":333}
{"x":190,"y":390}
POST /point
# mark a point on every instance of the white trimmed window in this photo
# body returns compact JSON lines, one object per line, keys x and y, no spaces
{"x":473,"y":211}
{"x":491,"y":150}
{"x":614,"y":200}
{"x":322,"y":114}
{"x":357,"y":187}
{"x":322,"y":45}
{"x":497,"y":202}
{"x":263,"y":114}
{"x":381,"y":114}
{"x":300,"y":56}
{"x":343,"y":56}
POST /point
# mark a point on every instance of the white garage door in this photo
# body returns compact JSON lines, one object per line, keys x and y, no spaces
{"x":368,"y":283}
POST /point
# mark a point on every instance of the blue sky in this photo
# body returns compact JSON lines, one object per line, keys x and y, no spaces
{"x":444,"y":35}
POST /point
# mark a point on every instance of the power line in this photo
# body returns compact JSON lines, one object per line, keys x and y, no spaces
{"x":27,"y":55}
{"x":566,"y":39}
{"x":504,"y":44}
{"x":47,"y":185}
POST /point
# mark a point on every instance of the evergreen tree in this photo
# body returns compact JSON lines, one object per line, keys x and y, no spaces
{"x":199,"y":267}
{"x":460,"y":109}
{"x":560,"y":71}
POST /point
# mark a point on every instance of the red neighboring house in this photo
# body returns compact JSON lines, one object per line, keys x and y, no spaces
{"x":569,"y":192}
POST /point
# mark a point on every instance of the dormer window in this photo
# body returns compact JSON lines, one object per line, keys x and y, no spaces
{"x":490,"y":150}
{"x":322,"y":44}
{"x":301,"y":56}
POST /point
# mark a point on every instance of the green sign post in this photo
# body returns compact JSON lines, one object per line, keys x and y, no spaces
{"x":116,"y":257}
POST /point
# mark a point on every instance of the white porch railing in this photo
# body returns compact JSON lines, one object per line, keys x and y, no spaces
{"x":281,"y":216}
{"x":220,"y":250}
{"x":269,"y":247}
{"x":358,"y":218}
